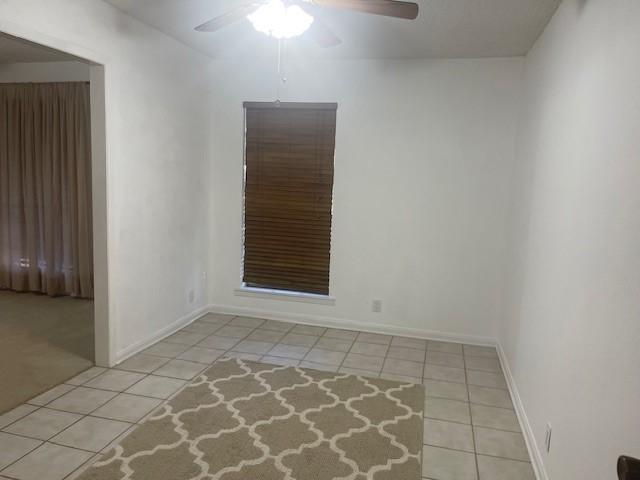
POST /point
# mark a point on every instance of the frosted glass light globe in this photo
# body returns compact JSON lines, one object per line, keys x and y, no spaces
{"x":280,"y":21}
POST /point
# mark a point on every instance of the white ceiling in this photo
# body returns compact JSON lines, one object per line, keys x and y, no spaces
{"x":13,"y":50}
{"x":444,"y":29}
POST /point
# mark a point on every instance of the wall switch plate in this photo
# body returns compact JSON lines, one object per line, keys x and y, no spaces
{"x":547,"y":438}
{"x":191,"y":296}
{"x":376,"y":306}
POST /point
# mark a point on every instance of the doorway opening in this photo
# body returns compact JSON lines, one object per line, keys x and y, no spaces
{"x":53,"y":287}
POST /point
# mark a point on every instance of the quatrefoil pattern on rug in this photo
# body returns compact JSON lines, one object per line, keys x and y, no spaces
{"x":242,"y":420}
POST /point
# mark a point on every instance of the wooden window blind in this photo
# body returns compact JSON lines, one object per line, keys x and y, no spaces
{"x":289,"y":150}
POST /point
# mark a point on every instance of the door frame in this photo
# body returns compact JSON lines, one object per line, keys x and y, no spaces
{"x":104,"y":324}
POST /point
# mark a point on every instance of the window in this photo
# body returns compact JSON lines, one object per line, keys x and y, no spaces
{"x":289,"y":149}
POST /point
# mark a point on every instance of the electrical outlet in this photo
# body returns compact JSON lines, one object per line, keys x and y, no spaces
{"x":547,"y":438}
{"x":376,"y":306}
{"x":191,"y":296}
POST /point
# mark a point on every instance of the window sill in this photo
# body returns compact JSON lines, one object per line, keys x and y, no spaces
{"x":285,"y":295}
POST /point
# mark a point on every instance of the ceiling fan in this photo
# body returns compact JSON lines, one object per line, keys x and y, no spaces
{"x":289,"y":18}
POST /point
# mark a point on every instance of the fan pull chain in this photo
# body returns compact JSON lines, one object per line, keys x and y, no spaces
{"x":282,"y":80}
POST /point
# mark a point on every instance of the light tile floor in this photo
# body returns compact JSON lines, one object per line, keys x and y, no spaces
{"x":471,"y":430}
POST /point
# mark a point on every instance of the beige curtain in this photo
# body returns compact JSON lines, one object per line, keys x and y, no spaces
{"x":45,"y":189}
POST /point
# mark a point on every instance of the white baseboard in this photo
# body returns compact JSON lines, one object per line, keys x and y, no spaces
{"x":330,"y":322}
{"x":525,"y":426}
{"x":170,"y":329}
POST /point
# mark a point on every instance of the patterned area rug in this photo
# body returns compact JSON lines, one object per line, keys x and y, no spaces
{"x":242,"y":420}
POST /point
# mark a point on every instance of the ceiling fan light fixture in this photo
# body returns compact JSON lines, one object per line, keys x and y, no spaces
{"x":279,"y":20}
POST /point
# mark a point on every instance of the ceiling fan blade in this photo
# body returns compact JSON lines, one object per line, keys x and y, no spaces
{"x":387,"y":8}
{"x":228,"y":18}
{"x":323,"y":35}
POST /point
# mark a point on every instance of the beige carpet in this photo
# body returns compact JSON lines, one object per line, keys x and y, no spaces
{"x":43,"y":342}
{"x":249,"y":421}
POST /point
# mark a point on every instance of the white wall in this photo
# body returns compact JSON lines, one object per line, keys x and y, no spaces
{"x":572,"y":334}
{"x":422,"y":170}
{"x":156,"y":148}
{"x":44,"y":72}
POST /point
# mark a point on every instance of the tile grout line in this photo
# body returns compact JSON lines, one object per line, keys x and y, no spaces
{"x":47,"y":440}
{"x":43,"y":442}
{"x":346,"y":354}
{"x":350,"y":351}
{"x":424,"y":407}
{"x":310,"y":348}
{"x":473,"y":432}
{"x":468,"y":424}
{"x":28,"y":402}
{"x":384,"y":358}
{"x":86,"y":465}
{"x":476,"y":454}
{"x":117,"y":393}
